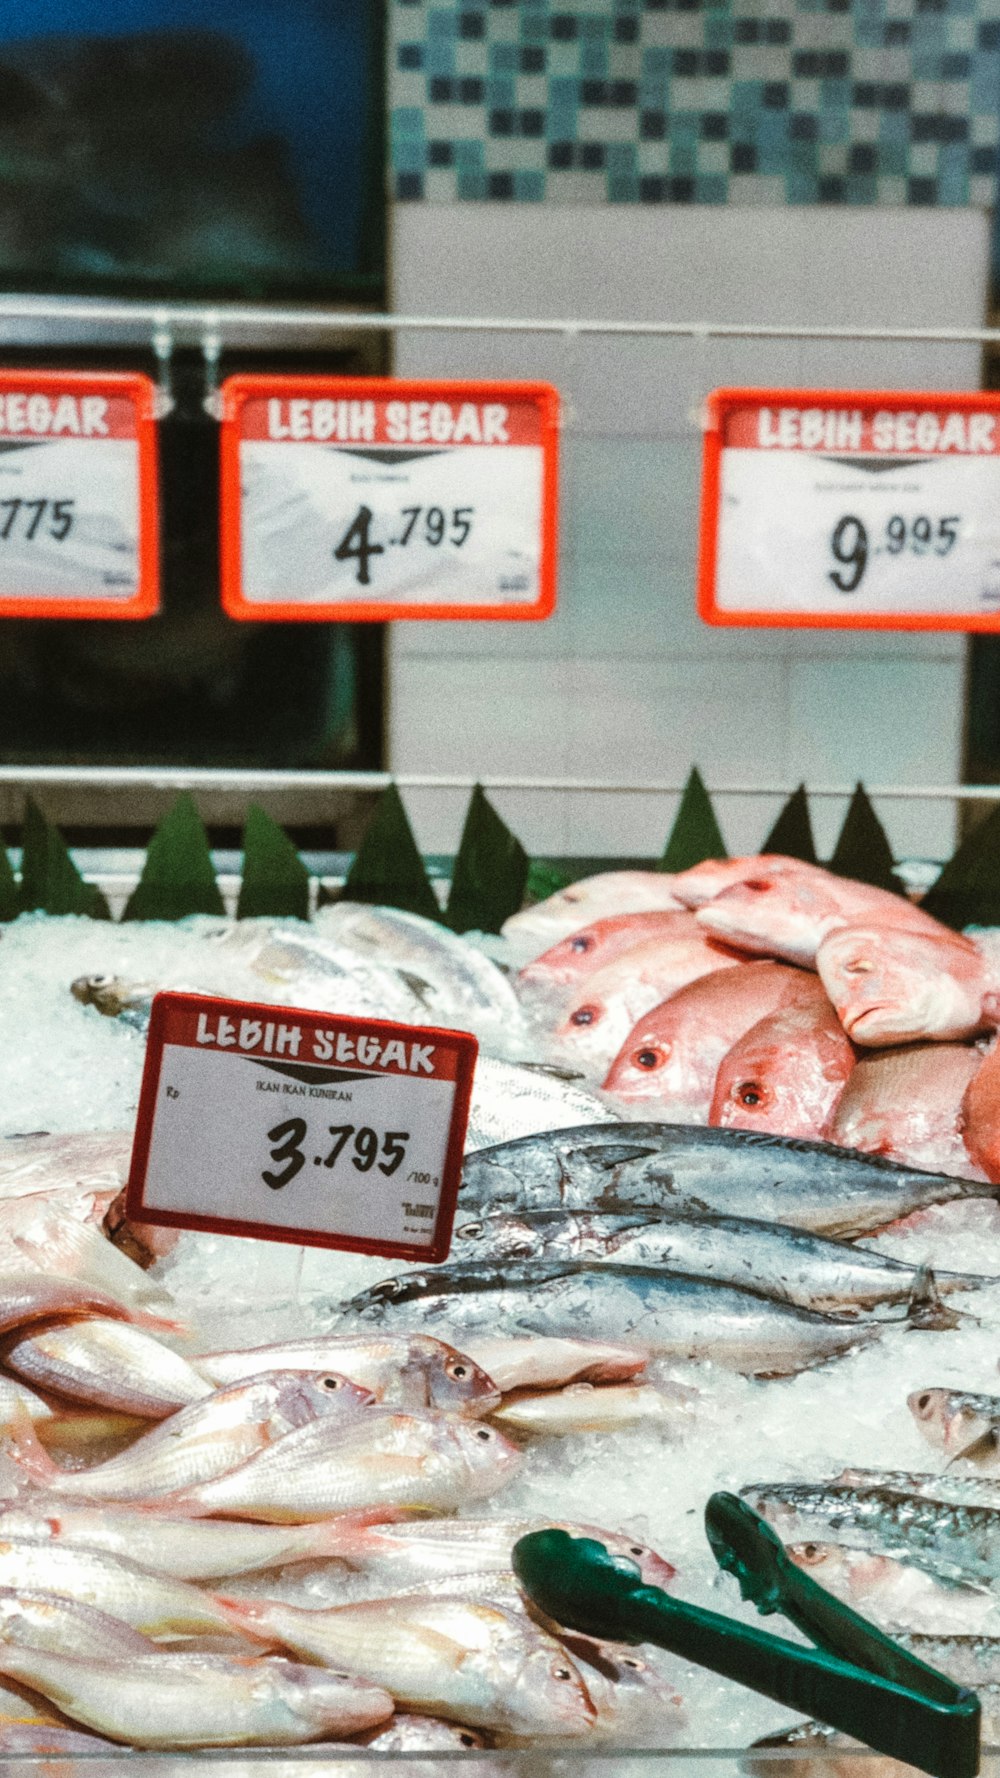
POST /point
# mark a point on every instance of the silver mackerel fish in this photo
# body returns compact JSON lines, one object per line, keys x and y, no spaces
{"x":622,"y":1168}
{"x":949,"y":1538}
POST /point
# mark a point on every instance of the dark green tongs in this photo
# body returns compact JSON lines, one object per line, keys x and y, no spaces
{"x":855,"y":1679}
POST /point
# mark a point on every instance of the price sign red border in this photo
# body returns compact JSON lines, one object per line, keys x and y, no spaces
{"x":236,"y":391}
{"x":171,"y":1019}
{"x":719,"y":405}
{"x":141,"y":391}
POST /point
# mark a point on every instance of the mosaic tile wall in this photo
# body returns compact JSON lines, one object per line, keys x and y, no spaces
{"x":696,"y":101}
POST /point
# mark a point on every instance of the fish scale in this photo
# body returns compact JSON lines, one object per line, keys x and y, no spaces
{"x":949,"y":1538}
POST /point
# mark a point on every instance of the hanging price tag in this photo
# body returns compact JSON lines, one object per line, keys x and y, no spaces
{"x":347,"y":499}
{"x":298,"y":1126}
{"x":78,"y":495}
{"x":827,"y":508}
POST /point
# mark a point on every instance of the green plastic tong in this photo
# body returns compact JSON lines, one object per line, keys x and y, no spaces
{"x":855,"y":1679}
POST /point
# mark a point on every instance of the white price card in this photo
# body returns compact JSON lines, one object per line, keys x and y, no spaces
{"x":346,"y":499}
{"x":78,"y":495}
{"x":827,"y":508}
{"x":288,"y":1125}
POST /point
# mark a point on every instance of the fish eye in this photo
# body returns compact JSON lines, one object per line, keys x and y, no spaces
{"x":330,"y":1383}
{"x":923,"y":1403}
{"x":749,"y":1093}
{"x":468,"y":1740}
{"x":458,"y":1370}
{"x":859,"y":966}
{"x":757,"y":885}
{"x":630,"y":1661}
{"x":584,"y":1015}
{"x":580,"y":944}
{"x":470,"y":1231}
{"x":636,"y":1549}
{"x":561,"y":1673}
{"x":649,"y":1058}
{"x":810,"y":1552}
{"x":485,"y":1434}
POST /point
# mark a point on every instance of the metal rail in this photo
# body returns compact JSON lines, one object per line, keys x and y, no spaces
{"x":217,"y":324}
{"x":319,"y":783}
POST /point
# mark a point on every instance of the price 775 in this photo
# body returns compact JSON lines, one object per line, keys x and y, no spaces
{"x":287,"y":1139}
{"x":433,"y":525}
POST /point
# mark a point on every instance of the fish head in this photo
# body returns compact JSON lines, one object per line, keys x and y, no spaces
{"x":453,"y":1382}
{"x":508,"y":1237}
{"x":773,"y":915}
{"x":110,"y":994}
{"x":594,"y":1027}
{"x":488,"y":1458}
{"x":703,"y":882}
{"x":298,"y":1397}
{"x":894,"y":985}
{"x":565,"y":962}
{"x":333,"y":1702}
{"x":846,"y":1571}
{"x":656,"y":1571}
{"x":658,"y":1063}
{"x":545,"y":1693}
{"x":784,"y":1076}
{"x":947,"y":1418}
{"x":632,"y":1699}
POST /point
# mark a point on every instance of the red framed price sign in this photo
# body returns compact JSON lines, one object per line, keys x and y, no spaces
{"x":79,"y":533}
{"x":288,"y":1125}
{"x":345,"y":499}
{"x":828,"y":508}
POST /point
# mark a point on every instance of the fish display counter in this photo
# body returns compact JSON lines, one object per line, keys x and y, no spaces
{"x":728,"y":1221}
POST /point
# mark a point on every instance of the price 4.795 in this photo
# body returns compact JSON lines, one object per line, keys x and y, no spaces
{"x":431,"y":525}
{"x":363,"y":1153}
{"x":851,"y":545}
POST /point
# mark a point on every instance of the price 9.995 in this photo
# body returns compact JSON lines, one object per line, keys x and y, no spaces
{"x":852,"y":546}
{"x":360,"y":1146}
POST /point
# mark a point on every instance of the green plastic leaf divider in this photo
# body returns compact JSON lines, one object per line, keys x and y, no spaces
{"x":862,"y":850}
{"x":967,"y":893}
{"x":695,"y":834}
{"x":50,"y":881}
{"x":10,"y":898}
{"x":490,"y":871}
{"x":387,"y":869}
{"x":177,"y":876}
{"x":275,"y":881}
{"x":544,"y":879}
{"x":792,"y":834}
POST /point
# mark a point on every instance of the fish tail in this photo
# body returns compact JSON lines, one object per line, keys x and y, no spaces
{"x":27,"y":1451}
{"x":346,"y":1539}
{"x":249,"y":1617}
{"x":926,"y":1309}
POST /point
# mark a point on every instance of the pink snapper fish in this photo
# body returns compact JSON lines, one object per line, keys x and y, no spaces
{"x":786,"y":1074}
{"x":790,"y":914}
{"x":668,"y":1064}
{"x":906,"y":1103}
{"x":893,"y":984}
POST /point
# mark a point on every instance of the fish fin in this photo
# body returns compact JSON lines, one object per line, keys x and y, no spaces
{"x":926,"y":1308}
{"x":26,"y":1450}
{"x":416,"y":984}
{"x":553,"y":1070}
{"x":614,"y":1154}
{"x":983,"y":1446}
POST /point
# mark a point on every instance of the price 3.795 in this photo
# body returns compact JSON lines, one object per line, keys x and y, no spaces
{"x":921,"y":536}
{"x":365,"y":1148}
{"x":432,"y":525}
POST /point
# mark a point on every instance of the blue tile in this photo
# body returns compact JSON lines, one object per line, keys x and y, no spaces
{"x":711,"y":188}
{"x":406,"y":121}
{"x":529,"y":188}
{"x":471,"y":185}
{"x":623,"y":188}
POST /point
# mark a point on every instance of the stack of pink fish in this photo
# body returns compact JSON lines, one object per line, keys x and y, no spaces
{"x":765,"y":993}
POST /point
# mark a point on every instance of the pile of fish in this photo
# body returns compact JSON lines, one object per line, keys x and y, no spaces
{"x":714,"y":1115}
{"x":765,"y":993}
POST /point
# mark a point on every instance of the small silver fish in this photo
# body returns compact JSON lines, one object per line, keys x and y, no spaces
{"x":895,"y":1594}
{"x":949,"y":1539}
{"x":416,"y":1550}
{"x":426,"y":1461}
{"x":957,"y":1421}
{"x":402,"y":1370}
{"x":153,"y":1603}
{"x":201,"y":1441}
{"x":454,"y":1657}
{"x":199,"y":1700}
{"x":106,"y":1364}
{"x":538,"y":1363}
{"x":549,"y":1413}
{"x":44,"y":1620}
